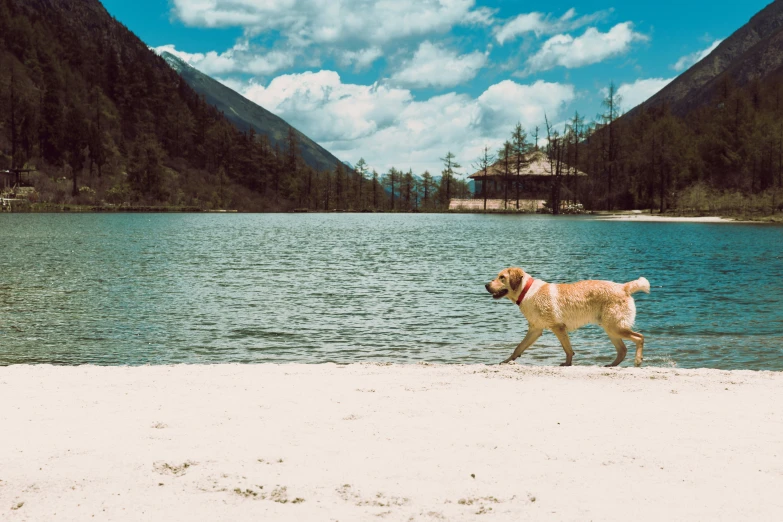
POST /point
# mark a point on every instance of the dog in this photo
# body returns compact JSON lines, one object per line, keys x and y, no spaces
{"x":566,"y":307}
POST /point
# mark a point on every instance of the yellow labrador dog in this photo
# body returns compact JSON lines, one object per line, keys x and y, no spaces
{"x":562,"y":308}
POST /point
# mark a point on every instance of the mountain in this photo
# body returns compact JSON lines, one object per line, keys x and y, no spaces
{"x":105,"y":122}
{"x":247,"y":115}
{"x":709,"y":142}
{"x":752,"y":53}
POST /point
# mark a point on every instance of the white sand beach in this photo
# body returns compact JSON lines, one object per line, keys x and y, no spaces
{"x":388,"y":442}
{"x":640,"y":216}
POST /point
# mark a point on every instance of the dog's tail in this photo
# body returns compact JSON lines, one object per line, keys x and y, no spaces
{"x":640,"y":285}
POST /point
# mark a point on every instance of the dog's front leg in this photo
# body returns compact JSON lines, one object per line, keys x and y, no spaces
{"x":562,"y":335}
{"x":532,"y":335}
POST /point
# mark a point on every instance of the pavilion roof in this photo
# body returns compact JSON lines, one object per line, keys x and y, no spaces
{"x":538,"y":166}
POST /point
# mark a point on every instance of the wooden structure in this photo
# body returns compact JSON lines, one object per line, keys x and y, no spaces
{"x":497,"y":205}
{"x":535,"y":179}
{"x":12,"y":177}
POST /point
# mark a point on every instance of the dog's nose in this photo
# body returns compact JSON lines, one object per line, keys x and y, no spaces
{"x":487,"y":287}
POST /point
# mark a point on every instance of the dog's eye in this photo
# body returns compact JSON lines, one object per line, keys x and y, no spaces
{"x":502,"y":277}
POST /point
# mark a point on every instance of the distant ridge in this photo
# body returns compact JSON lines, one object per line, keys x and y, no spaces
{"x":245,"y":114}
{"x":752,"y":52}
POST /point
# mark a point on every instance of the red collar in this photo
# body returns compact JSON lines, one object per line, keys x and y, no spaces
{"x":524,"y":290}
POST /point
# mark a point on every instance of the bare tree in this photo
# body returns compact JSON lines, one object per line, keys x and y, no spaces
{"x":504,"y":155}
{"x":555,"y":155}
{"x":612,"y":103}
{"x":575,"y":132}
{"x":519,"y":148}
{"x":484,"y":162}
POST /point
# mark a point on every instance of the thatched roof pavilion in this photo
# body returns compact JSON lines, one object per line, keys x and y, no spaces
{"x":538,"y":166}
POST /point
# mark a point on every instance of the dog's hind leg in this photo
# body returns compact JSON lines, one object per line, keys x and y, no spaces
{"x":532,"y":336}
{"x":562,"y":335}
{"x":638,"y":339}
{"x":621,"y":349}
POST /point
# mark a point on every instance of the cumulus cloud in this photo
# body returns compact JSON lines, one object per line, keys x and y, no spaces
{"x":389,"y":127}
{"x":319,"y":104}
{"x":315,"y":21}
{"x":433,"y":65}
{"x":504,"y":104}
{"x":690,"y":59}
{"x":482,"y":16}
{"x":632,"y":94}
{"x":361,"y":59}
{"x":540,"y":24}
{"x":239,"y":59}
{"x":592,"y":47}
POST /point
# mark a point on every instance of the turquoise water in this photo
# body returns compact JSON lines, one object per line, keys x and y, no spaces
{"x":250,"y":288}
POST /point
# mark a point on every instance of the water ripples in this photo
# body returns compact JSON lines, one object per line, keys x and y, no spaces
{"x":189,"y":288}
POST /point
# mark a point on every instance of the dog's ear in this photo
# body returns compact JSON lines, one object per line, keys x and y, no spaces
{"x":515,"y":276}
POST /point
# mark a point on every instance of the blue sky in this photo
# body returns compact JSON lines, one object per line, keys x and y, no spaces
{"x":401,"y":82}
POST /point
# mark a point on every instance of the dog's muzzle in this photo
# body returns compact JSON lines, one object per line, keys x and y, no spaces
{"x":496,"y":295}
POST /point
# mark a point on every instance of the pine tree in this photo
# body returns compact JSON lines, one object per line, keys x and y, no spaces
{"x":75,"y":142}
{"x":361,"y":175}
{"x":407,"y":189}
{"x":426,"y":184}
{"x":375,"y":189}
{"x":448,"y":173}
{"x":391,"y":179}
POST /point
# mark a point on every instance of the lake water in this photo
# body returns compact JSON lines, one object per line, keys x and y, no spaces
{"x":249,"y":288}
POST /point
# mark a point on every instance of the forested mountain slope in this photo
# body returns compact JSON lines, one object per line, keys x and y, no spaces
{"x":753,"y":52}
{"x":247,"y":115}
{"x":105,"y":121}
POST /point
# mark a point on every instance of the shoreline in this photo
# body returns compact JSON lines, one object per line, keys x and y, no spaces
{"x":400,"y":442}
{"x":639,"y":216}
{"x":645,"y":216}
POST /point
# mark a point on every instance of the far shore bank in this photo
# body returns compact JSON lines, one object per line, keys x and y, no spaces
{"x":641,"y":216}
{"x":617,"y":215}
{"x":393,"y":442}
{"x":645,"y":215}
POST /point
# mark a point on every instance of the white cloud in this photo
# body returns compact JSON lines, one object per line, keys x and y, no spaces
{"x":506,"y":103}
{"x":388,"y":127}
{"x":319,"y":104}
{"x":690,"y":59}
{"x":592,"y":47}
{"x":318,"y":21}
{"x":186,"y":57}
{"x":632,"y":94}
{"x":483,"y":16}
{"x":268,"y":63}
{"x":361,"y":59}
{"x":433,"y":65}
{"x":524,"y":23}
{"x":239,"y":59}
{"x":540,"y":24}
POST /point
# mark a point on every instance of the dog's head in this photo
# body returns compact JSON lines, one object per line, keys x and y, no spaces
{"x":508,"y":280}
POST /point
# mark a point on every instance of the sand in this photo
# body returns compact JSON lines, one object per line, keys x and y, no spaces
{"x":637,"y":216}
{"x":382,"y":442}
